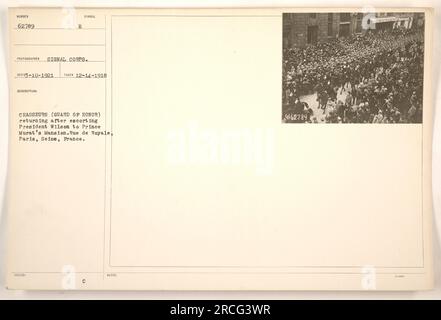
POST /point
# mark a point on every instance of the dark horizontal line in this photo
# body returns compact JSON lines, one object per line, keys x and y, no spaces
{"x":232,"y":272}
{"x":263,"y":272}
{"x":27,"y":29}
{"x":272,"y":267}
{"x":46,"y":272}
{"x":198,"y":16}
{"x":59,"y":61}
{"x":59,"y":78}
{"x":60,"y":45}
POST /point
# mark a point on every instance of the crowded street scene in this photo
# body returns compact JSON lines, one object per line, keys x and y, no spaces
{"x":370,"y":77}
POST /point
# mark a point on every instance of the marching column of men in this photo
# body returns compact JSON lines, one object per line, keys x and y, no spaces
{"x":370,"y":78}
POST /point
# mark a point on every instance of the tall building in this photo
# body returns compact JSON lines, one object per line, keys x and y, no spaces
{"x":301,"y":29}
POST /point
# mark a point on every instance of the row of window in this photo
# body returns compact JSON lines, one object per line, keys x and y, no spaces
{"x":344,"y":17}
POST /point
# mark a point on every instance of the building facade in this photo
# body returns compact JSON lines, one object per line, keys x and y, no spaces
{"x":301,"y":29}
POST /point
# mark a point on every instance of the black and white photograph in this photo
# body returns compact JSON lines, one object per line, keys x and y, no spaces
{"x":353,"y":67}
{"x":156,"y":153}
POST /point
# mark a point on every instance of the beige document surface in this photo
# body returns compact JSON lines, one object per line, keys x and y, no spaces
{"x":148,"y":152}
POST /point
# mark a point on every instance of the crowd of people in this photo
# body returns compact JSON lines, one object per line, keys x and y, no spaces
{"x":381,"y":74}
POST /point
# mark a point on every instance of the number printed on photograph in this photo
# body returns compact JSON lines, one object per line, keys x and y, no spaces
{"x":353,"y":67}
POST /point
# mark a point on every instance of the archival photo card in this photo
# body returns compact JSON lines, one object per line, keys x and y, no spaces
{"x":353,"y":67}
{"x":147,"y":150}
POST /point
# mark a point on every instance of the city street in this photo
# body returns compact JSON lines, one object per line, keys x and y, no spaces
{"x":311,"y":100}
